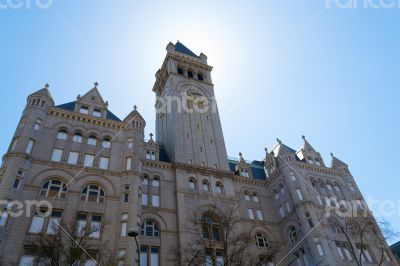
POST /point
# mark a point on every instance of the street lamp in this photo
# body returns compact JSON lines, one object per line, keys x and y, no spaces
{"x":133,"y":233}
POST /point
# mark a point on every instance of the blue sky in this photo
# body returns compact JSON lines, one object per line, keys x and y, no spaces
{"x":281,"y":69}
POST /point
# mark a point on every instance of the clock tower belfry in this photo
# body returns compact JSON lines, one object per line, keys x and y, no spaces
{"x":187,"y":118}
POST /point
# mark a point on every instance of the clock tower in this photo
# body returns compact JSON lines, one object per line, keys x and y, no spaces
{"x":187,"y":118}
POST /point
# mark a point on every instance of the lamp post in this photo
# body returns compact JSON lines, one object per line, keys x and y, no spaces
{"x":133,"y":233}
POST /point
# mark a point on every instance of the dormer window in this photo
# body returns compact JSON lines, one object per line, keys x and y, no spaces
{"x":180,"y":71}
{"x":244,"y":173}
{"x":190,"y":74}
{"x":317,"y":162}
{"x":200,"y":76}
{"x":96,"y":112}
{"x":84,"y":110}
{"x":150,"y":155}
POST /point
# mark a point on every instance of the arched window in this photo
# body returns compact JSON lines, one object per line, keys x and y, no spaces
{"x":77,"y":138}
{"x":92,"y":193}
{"x":255,"y":197}
{"x":156,"y":181}
{"x":180,"y":71}
{"x":145,"y":180}
{"x":54,"y":188}
{"x":92,"y":140}
{"x":313,"y":182}
{"x":210,"y":228}
{"x":218,"y":187}
{"x":62,"y":134}
{"x":192,"y":183}
{"x":246,"y":195}
{"x":321,"y":183}
{"x":337,"y":187}
{"x":106,"y":143}
{"x":261,"y":240}
{"x":149,"y":228}
{"x":200,"y":76}
{"x":281,"y":189}
{"x":293,"y":235}
{"x":190,"y":74}
{"x":206,"y":186}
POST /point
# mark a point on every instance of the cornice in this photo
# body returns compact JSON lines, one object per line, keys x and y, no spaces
{"x":202,"y":170}
{"x":98,"y":121}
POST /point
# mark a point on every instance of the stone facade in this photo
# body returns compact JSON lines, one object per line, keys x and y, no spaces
{"x":110,"y":171}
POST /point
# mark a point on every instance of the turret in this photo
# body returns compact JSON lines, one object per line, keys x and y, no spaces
{"x":308,"y":154}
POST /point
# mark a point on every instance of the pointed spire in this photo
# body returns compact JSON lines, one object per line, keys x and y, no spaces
{"x":151,"y":136}
{"x":335,"y":163}
{"x":278,"y":140}
{"x":95,"y":84}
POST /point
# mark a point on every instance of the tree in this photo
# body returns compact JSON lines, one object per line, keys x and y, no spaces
{"x":70,"y":244}
{"x":357,"y":234}
{"x":216,"y":239}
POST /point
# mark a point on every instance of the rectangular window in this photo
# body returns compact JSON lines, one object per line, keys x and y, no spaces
{"x":37,"y":223}
{"x":123,"y":229}
{"x":88,"y":160}
{"x":16,"y":183}
{"x":351,"y":186}
{"x":143,"y":256}
{"x":95,"y":226}
{"x":216,"y":233}
{"x":4,"y":217}
{"x":27,"y":261}
{"x":321,"y":251}
{"x":339,"y":249}
{"x":73,"y":157}
{"x":154,"y":256}
{"x":54,"y":222}
{"x":104,"y":162}
{"x":121,"y":253}
{"x":145,"y":199}
{"x":287,"y":205}
{"x":56,"y":155}
{"x":155,"y":200}
{"x":84,"y":110}
{"x":22,"y":122}
{"x":219,"y":257}
{"x":29,"y":147}
{"x":281,"y":212}
{"x":38,"y":124}
{"x":126,"y":197}
{"x":299,"y":194}
{"x":13,"y":144}
{"x":130,"y":143}
{"x":81,"y":224}
{"x":259,"y":215}
{"x":128,"y":163}
{"x":250,"y":213}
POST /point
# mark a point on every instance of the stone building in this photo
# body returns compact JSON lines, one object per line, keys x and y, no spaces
{"x":93,"y":167}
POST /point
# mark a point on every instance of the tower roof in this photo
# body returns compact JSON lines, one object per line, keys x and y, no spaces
{"x":179,"y":47}
{"x":44,"y":91}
